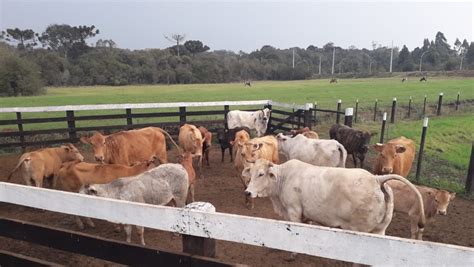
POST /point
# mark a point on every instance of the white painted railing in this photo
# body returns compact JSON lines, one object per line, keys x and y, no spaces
{"x":295,"y":237}
{"x":152,"y":105}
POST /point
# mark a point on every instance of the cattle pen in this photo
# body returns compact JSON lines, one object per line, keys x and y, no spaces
{"x":307,"y":239}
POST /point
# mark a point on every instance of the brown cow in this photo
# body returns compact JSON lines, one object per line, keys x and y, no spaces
{"x":306,"y":132}
{"x":190,"y":140}
{"x":186,"y":160}
{"x":73,"y":175}
{"x":395,"y":157}
{"x":247,"y":153}
{"x":128,"y":147}
{"x":206,"y":145}
{"x":45,"y":163}
{"x":405,"y":201}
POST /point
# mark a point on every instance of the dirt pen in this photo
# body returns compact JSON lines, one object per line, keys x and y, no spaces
{"x":255,"y":237}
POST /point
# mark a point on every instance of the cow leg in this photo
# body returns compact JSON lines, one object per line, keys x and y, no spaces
{"x":354,"y":159}
{"x":201,"y":176}
{"x":90,"y":222}
{"x":416,"y":233}
{"x":191,"y":190}
{"x":222,"y":154}
{"x":361,"y":159}
{"x":141,"y":233}
{"x":293,"y":214}
{"x":231,"y":154}
{"x":79,"y":223}
{"x":128,"y":231}
{"x":207,"y":157}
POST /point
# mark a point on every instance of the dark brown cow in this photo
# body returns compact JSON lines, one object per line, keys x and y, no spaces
{"x":129,"y":147}
{"x":206,"y":145}
{"x":356,"y":142}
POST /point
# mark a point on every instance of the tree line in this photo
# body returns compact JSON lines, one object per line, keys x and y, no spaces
{"x":60,"y":56}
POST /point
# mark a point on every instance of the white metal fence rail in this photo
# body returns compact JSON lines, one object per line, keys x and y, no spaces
{"x":295,"y":237}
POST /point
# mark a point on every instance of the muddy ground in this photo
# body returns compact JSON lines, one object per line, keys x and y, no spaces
{"x":223,"y":189}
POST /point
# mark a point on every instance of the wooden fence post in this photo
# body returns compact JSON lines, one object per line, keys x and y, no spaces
{"x":394,"y":110}
{"x":339,"y":103}
{"x":128,"y":111}
{"x":457,"y":102}
{"x":314,"y":113}
{"x":348,"y":117}
{"x":440,"y":103}
{"x":182,"y":115}
{"x":20,"y":129}
{"x":356,"y":109}
{"x":470,"y":173}
{"x":424,"y":107}
{"x":71,"y":125}
{"x":307,"y":115}
{"x":382,"y":131}
{"x":269,"y":123}
{"x":409,"y":107}
{"x":422,"y":146}
{"x":375,"y":109}
{"x":226,"y":111}
{"x":195,"y":245}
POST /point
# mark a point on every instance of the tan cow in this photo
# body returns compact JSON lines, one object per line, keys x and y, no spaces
{"x":396,"y":156}
{"x":45,"y":163}
{"x":206,"y":145}
{"x":190,"y":140}
{"x":306,"y":132}
{"x":128,"y":147}
{"x":73,"y":175}
{"x":186,"y":160}
{"x":241,"y":137}
{"x":434,"y":202}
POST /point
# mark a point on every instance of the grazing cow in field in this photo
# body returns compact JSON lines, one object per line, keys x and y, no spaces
{"x":405,"y":79}
{"x":73,"y":175}
{"x":249,"y":151}
{"x":333,"y":80}
{"x":396,"y":156}
{"x":190,"y":140}
{"x":306,"y":132}
{"x":247,"y":83}
{"x":257,"y":120}
{"x":434,"y":202}
{"x":45,"y":163}
{"x":186,"y":160}
{"x":355,"y":142}
{"x":423,"y":79}
{"x":351,"y":199}
{"x":206,"y":144}
{"x":157,"y":186}
{"x":128,"y":147}
{"x":318,"y":152}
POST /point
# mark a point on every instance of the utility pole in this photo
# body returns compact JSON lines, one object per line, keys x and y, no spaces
{"x":462,"y":57}
{"x":320,"y":64}
{"x":293,"y":57}
{"x":391,"y":58}
{"x":333,"y":56}
{"x":421,"y":59}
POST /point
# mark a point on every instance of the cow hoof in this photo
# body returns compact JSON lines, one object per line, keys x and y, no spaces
{"x":201,"y":176}
{"x":117,"y":229}
{"x":292,"y":257}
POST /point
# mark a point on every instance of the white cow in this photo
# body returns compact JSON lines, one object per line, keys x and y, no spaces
{"x":157,"y":186}
{"x":318,"y":152}
{"x":351,"y":199}
{"x":257,"y":120}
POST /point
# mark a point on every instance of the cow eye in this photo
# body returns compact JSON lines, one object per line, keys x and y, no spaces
{"x":260,"y":174}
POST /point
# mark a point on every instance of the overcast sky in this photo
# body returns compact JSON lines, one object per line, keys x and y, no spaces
{"x":248,"y":25}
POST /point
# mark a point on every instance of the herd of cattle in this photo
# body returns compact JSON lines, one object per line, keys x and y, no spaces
{"x":304,"y":176}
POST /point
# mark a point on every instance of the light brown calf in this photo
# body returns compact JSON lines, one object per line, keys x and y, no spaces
{"x":186,"y":160}
{"x":306,"y":132}
{"x":45,"y":163}
{"x":405,"y":201}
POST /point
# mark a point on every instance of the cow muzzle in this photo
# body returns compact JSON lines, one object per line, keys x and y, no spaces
{"x":386,"y":170}
{"x":99,"y":158}
{"x":442,"y":212}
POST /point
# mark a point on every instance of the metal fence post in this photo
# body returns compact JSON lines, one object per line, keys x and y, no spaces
{"x":382,"y":132}
{"x":470,"y":173}
{"x":20,"y":129}
{"x":422,"y":146}
{"x":394,"y":110}
{"x":409,"y":107}
{"x":356,"y":110}
{"x":375,"y":109}
{"x":348,"y":117}
{"x":339,"y":103}
{"x":440,"y":103}
{"x":457,"y":102}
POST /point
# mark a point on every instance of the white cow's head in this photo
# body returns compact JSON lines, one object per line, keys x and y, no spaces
{"x":263,"y":177}
{"x":93,"y":190}
{"x":264,"y":115}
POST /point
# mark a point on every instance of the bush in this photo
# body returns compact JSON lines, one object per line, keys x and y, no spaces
{"x":19,"y":77}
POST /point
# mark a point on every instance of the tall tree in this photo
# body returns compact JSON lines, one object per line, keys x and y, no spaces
{"x":176,"y":38}
{"x":404,"y":60}
{"x":64,"y":38}
{"x":24,"y":39}
{"x":195,"y":46}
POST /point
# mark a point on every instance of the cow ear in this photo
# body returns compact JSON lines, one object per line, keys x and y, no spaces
{"x":378,"y":147}
{"x":246,"y":172}
{"x":452,"y":196}
{"x":257,"y":146}
{"x":84,"y":139}
{"x":67,"y":148}
{"x":272,"y":171}
{"x":400,"y":148}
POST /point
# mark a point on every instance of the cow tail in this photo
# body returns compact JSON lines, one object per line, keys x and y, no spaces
{"x":384,"y":178}
{"x":342,"y":155}
{"x":171,"y":139}
{"x":23,"y":158}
